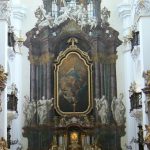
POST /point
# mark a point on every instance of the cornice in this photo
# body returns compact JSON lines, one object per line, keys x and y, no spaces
{"x":43,"y":59}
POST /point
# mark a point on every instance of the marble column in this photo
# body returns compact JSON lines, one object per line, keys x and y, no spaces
{"x":44,"y":80}
{"x":49,"y":82}
{"x":97,"y":7}
{"x":97,"y":90}
{"x":4,"y":16}
{"x":40,"y":81}
{"x":37,"y":83}
{"x":113,"y":82}
{"x":32,"y":81}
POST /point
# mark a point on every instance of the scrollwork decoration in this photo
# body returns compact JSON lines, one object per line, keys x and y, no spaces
{"x":147,"y":136}
{"x":3,"y":79}
{"x":3,"y":144}
{"x":146,"y":90}
{"x":146,"y":76}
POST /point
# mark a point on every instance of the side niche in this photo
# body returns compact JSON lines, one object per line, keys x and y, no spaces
{"x":73,"y":81}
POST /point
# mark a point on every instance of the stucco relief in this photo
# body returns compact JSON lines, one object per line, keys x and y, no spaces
{"x":142,"y":7}
{"x":5,"y":9}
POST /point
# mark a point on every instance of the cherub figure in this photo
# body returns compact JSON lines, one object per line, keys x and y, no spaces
{"x":105,"y":15}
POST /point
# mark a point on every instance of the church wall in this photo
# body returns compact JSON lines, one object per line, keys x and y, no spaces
{"x":127,"y":68}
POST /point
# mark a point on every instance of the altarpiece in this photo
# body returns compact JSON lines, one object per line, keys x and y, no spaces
{"x":72,"y":54}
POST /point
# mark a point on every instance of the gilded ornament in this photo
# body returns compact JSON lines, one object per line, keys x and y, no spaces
{"x":147,"y":137}
{"x":3,"y":144}
{"x":146,"y":76}
{"x":3,"y":78}
{"x":73,"y":67}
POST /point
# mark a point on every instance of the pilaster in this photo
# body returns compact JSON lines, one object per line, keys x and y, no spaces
{"x":4,"y":17}
{"x":15,"y":65}
{"x":124,"y":10}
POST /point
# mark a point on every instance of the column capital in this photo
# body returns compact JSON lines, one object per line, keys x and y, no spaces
{"x":5,"y":9}
{"x":19,"y":12}
{"x":124,"y":10}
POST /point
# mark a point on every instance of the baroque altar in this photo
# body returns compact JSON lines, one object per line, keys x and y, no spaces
{"x":73,"y":103}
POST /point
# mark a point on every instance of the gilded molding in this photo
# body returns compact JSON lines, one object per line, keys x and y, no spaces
{"x":103,"y":58}
{"x":74,"y":54}
{"x":3,"y":144}
{"x":43,"y":59}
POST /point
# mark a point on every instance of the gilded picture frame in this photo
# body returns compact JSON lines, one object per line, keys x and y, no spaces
{"x":73,"y":81}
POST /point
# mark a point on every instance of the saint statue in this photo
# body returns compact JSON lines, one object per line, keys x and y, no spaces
{"x":118,"y":110}
{"x":103,"y":110}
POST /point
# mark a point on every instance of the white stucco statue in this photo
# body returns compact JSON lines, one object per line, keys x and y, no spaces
{"x":43,"y":108}
{"x":29,"y":111}
{"x":105,"y":15}
{"x":118,"y":110}
{"x":77,"y":13}
{"x":92,"y":22}
{"x":103,"y":110}
{"x":97,"y":103}
{"x":39,"y":14}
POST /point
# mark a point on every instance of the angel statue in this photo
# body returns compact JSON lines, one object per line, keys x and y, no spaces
{"x":29,"y":111}
{"x":118,"y":110}
{"x":103,"y":110}
{"x":44,"y":106}
{"x":39,"y":15}
{"x":105,"y":15}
